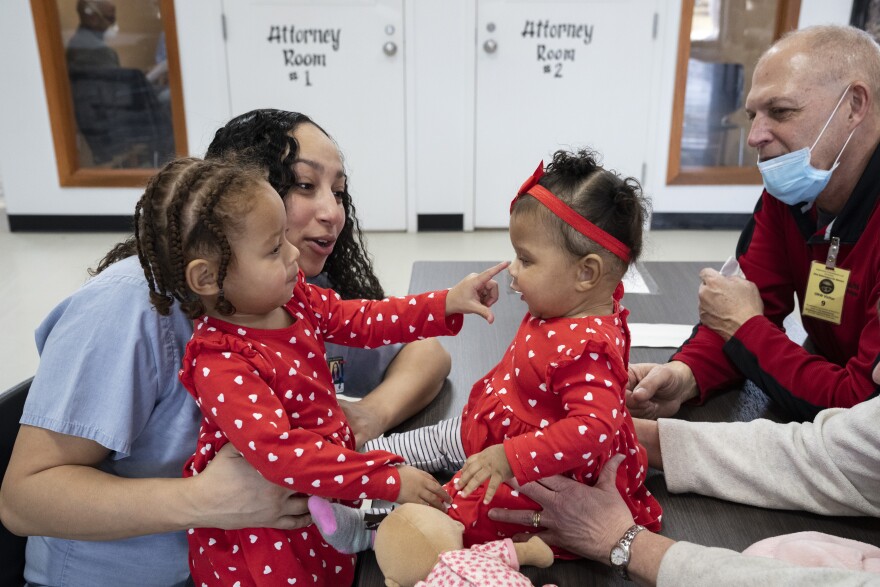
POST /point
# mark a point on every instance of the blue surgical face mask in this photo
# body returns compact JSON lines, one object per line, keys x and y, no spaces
{"x":791,"y":179}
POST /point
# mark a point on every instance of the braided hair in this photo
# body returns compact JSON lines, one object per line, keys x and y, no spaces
{"x":185,"y":213}
{"x":264,"y":138}
{"x":613,"y":203}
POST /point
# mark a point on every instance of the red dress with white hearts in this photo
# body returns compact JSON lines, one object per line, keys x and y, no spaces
{"x":270,"y":393}
{"x":556,"y":402}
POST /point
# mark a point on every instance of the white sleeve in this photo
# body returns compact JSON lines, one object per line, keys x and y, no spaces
{"x":830,"y":466}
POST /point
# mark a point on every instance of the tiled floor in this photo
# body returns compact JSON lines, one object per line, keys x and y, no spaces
{"x":40,"y":269}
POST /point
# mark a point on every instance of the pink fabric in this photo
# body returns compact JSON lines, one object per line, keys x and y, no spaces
{"x":493,"y":563}
{"x":814,"y":549}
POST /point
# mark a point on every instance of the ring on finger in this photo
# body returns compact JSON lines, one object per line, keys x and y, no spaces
{"x":536,"y":519}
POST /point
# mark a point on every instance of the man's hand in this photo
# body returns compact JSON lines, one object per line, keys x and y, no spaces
{"x":726,"y":303}
{"x":491,"y":464}
{"x":476,"y":293}
{"x":657,"y":391}
{"x":417,"y":486}
{"x":231,"y":495}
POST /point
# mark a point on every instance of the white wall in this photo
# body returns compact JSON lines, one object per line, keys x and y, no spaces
{"x":203,"y":69}
{"x":440,"y":111}
{"x":440,"y":107}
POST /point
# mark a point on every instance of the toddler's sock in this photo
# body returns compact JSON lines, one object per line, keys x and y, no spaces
{"x":346,"y":529}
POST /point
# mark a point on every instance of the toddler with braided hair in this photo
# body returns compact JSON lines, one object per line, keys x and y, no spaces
{"x":211,"y":236}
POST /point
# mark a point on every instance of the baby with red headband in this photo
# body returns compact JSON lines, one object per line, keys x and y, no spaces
{"x":554,"y":404}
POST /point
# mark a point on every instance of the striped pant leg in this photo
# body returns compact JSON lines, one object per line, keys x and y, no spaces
{"x":432,"y":448}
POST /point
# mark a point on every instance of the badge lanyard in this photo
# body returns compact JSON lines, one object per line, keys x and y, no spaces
{"x":826,"y":287}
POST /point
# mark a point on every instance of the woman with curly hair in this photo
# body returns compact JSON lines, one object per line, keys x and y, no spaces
{"x":395,"y":381}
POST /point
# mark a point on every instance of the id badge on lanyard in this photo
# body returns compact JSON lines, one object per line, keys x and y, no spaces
{"x":826,"y":287}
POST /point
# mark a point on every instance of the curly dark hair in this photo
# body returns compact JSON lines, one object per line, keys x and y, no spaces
{"x":120,"y":251}
{"x":613,"y":203}
{"x":262,"y":137}
{"x":186,"y":212}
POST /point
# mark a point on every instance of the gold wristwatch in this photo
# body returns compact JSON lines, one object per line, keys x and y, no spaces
{"x":620,"y":553}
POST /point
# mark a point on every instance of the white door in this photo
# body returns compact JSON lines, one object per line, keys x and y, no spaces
{"x":559,"y":74}
{"x":341,"y":63}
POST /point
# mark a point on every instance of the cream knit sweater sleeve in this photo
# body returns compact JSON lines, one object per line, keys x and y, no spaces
{"x":690,"y":564}
{"x":829,"y":467}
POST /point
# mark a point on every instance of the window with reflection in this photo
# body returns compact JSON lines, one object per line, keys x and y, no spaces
{"x":866,"y":16}
{"x":719,"y":45}
{"x":112,"y":79}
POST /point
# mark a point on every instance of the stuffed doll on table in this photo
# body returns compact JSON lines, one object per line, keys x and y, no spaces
{"x":417,"y":545}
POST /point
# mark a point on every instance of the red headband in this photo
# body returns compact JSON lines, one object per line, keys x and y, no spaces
{"x":569,"y":216}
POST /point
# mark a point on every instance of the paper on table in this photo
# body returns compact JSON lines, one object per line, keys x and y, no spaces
{"x":348,"y":398}
{"x":731,"y":268}
{"x":658,"y":335}
{"x":633,"y":282}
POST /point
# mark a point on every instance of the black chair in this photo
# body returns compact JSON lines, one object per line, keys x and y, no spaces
{"x":11,"y":546}
{"x":120,"y":117}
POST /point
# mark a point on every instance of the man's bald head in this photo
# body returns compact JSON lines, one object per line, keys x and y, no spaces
{"x":830,"y":56}
{"x":97,"y":15}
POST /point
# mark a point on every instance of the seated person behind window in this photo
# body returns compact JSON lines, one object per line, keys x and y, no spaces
{"x":87,"y":47}
{"x":158,"y":74}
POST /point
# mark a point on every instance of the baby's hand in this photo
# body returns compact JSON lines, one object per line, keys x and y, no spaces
{"x":417,"y":486}
{"x":475,"y":293}
{"x":491,"y":464}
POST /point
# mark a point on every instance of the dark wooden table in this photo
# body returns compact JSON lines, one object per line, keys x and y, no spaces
{"x":695,"y":518}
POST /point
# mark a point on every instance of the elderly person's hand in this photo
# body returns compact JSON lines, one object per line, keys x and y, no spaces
{"x":589,"y":521}
{"x":726,"y":303}
{"x":657,"y":391}
{"x":585,"y":520}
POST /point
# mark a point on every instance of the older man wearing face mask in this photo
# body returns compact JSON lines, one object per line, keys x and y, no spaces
{"x":814,"y":232}
{"x":87,"y":47}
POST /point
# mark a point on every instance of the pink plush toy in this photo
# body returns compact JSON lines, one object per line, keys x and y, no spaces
{"x":814,"y":549}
